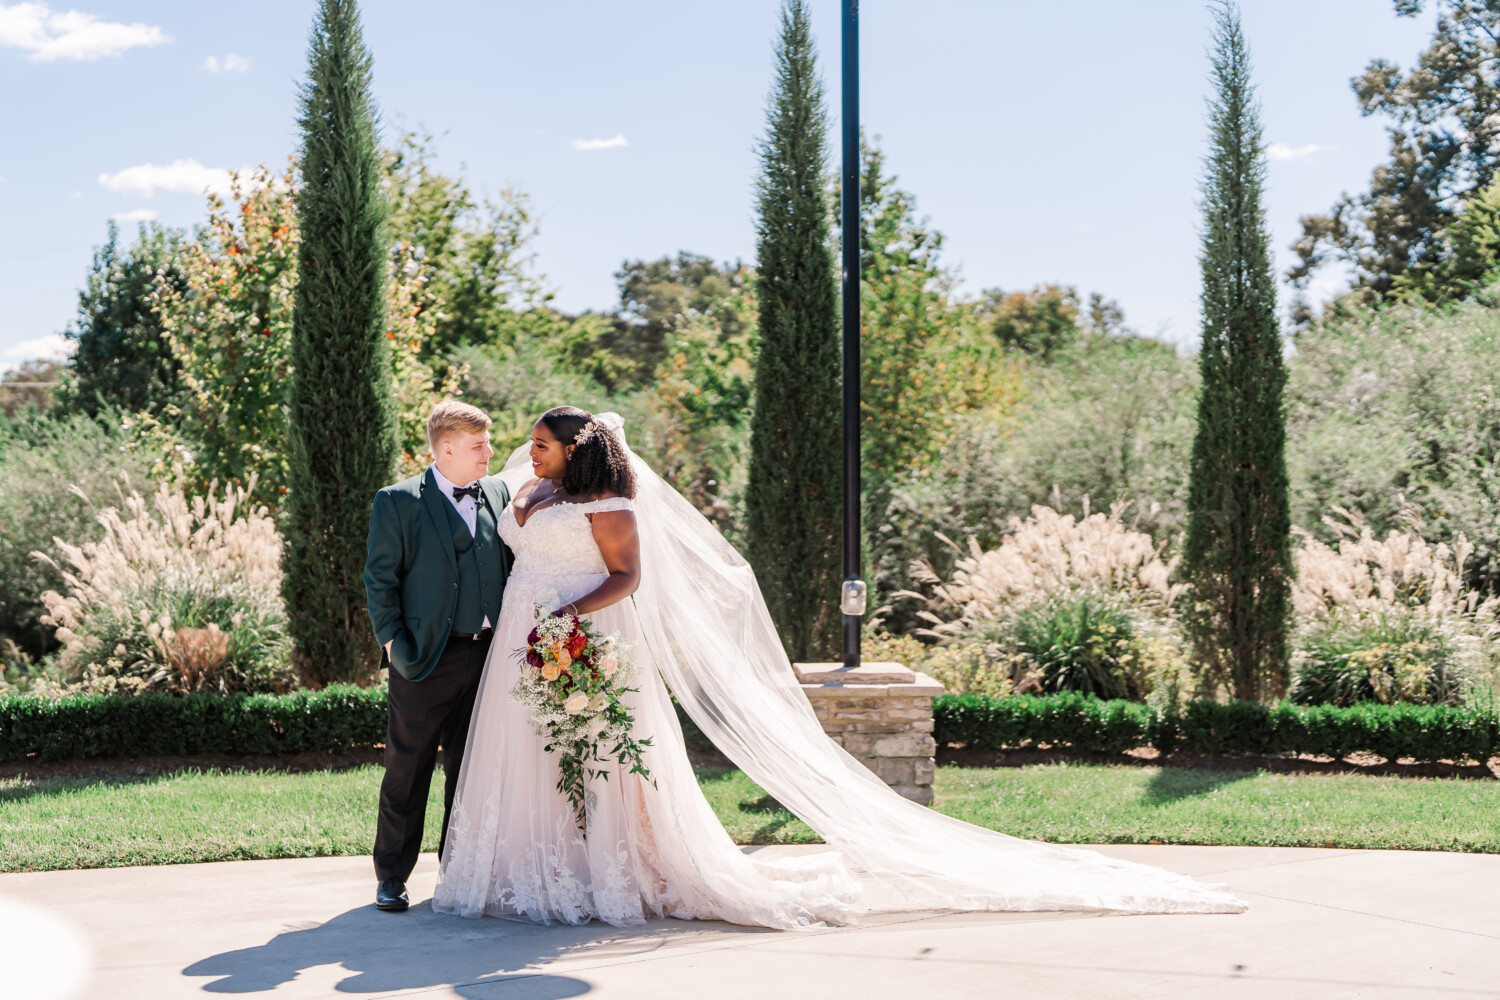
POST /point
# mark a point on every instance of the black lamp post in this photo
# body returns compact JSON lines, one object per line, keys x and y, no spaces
{"x":852,"y":601}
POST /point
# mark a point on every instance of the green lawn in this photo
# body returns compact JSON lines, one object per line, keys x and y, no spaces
{"x":218,"y":816}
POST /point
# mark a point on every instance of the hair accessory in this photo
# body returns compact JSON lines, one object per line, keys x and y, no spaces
{"x":586,"y":432}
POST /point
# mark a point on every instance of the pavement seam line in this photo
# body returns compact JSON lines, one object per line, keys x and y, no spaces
{"x":1365,"y":913}
{"x":1280,"y":864}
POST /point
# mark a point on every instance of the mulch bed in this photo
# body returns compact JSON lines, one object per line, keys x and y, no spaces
{"x":119,"y":769}
{"x":1287,"y":763}
{"x":136,"y":768}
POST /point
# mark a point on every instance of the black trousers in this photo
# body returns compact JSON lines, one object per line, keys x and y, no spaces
{"x":423,"y":715}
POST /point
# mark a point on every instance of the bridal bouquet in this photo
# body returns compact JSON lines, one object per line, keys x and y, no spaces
{"x":571,"y":683}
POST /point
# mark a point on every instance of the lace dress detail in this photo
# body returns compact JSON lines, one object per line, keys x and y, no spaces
{"x":649,"y":849}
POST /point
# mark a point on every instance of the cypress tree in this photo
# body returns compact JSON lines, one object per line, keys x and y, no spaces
{"x":1238,"y":551}
{"x":342,"y":427}
{"x":795,"y":492}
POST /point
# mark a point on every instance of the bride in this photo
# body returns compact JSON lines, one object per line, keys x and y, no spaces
{"x":595,"y":532}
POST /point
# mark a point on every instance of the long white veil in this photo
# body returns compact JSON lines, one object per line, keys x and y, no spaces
{"x":711,"y":637}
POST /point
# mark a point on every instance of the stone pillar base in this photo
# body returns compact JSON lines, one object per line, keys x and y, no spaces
{"x":880,"y":713}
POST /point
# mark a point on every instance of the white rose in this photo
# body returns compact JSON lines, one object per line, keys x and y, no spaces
{"x":596,"y":726}
{"x":599,"y":702}
{"x":608,"y":664}
{"x":576,"y":703}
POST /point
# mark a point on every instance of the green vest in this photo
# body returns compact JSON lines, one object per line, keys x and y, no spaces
{"x":479,"y":578}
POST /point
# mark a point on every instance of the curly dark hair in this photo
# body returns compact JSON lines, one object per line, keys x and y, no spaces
{"x":599,"y":465}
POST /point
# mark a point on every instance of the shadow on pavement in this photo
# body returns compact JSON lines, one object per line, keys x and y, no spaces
{"x":385,"y":953}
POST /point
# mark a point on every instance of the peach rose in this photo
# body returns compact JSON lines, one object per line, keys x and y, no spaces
{"x":551,"y":672}
{"x":608,"y":664}
{"x":576,"y":703}
{"x":564,"y":658}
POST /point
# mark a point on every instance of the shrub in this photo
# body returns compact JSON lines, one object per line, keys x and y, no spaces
{"x":185,"y":598}
{"x":1402,"y":655}
{"x":1418,"y":732}
{"x":1048,"y":553}
{"x":1083,"y":641}
{"x":336,"y":719}
{"x":42,"y":463}
{"x":1394,"y":409}
{"x":1387,"y":620}
{"x":961,"y":667}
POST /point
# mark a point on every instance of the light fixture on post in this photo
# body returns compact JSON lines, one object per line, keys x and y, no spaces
{"x":852,"y":597}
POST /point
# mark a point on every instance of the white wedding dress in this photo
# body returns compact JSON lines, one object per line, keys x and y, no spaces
{"x":698,"y":623}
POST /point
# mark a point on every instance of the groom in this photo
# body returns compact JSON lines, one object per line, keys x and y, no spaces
{"x":435,"y":570}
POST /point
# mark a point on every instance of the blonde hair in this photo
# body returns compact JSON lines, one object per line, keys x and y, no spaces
{"x":451,"y":416}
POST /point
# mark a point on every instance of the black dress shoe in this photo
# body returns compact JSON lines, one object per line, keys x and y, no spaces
{"x":390,"y":895}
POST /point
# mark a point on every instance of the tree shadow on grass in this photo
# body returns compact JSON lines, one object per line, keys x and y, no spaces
{"x":421,"y":949}
{"x":1171,"y":784}
{"x":23,"y":790}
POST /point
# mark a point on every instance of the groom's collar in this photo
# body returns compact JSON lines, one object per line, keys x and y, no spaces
{"x":444,"y":483}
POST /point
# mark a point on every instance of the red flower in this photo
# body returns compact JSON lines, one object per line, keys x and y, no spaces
{"x":532,"y":637}
{"x":577,"y":644}
{"x":534,"y":658}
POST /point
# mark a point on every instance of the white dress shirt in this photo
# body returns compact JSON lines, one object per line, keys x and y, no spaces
{"x":467,"y":507}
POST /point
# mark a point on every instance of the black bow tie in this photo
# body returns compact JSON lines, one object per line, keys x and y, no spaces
{"x":459,"y":492}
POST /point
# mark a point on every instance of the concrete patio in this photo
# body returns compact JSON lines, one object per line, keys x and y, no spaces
{"x":1322,"y":923}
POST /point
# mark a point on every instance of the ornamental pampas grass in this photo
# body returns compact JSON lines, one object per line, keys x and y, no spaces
{"x":1047,"y":553}
{"x":179,"y":595}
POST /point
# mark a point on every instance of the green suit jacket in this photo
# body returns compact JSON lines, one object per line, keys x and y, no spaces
{"x":411,"y":572}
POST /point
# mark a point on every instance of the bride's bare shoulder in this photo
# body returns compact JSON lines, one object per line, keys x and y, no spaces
{"x":523,"y":495}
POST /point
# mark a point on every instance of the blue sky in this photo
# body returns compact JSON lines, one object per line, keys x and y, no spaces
{"x":1049,"y":142}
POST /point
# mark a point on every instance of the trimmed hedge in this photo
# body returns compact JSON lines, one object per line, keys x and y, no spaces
{"x":1419,"y":732}
{"x":342,"y":718}
{"x":338,"y":718}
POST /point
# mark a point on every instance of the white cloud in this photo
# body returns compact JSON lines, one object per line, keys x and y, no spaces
{"x":137,"y":215}
{"x":229,"y":64}
{"x":1283,"y":151}
{"x":48,"y":35}
{"x":617,"y":141}
{"x":184,"y":176}
{"x":53,"y":347}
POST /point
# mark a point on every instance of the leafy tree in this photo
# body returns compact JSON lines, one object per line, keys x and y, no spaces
{"x":1471,"y":254}
{"x":343,"y":439}
{"x":923,"y":360}
{"x":1237,"y":554}
{"x":1445,"y":143}
{"x":693,"y":320}
{"x":229,"y":328}
{"x":477,"y":254}
{"x":227,"y":324}
{"x":1039,"y":323}
{"x":120,"y":357}
{"x":659,"y":300}
{"x":794,"y":494}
